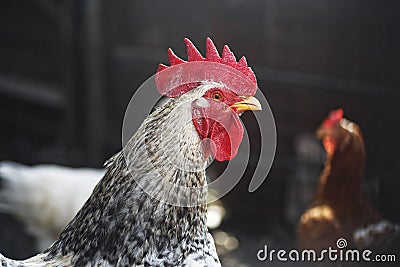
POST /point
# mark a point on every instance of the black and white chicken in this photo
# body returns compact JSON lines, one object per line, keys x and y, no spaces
{"x":149,"y":209}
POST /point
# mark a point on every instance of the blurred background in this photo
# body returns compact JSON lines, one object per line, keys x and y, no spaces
{"x":69,"y":68}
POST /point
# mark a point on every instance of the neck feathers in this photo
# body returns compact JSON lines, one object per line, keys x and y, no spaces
{"x":152,"y":200}
{"x":344,"y":170}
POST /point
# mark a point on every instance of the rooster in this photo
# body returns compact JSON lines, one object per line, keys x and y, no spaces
{"x":339,"y":209}
{"x":149,"y":209}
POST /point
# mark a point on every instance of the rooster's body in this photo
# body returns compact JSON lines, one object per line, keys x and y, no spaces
{"x":149,"y":209}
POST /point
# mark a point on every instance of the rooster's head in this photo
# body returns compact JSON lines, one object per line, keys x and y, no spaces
{"x":223,"y":94}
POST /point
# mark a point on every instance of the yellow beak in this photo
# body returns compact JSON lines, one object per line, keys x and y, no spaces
{"x":250,"y":103}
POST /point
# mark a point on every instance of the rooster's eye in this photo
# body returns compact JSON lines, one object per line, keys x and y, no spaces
{"x":216,"y":95}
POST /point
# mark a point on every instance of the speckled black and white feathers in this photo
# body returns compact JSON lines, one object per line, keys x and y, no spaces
{"x":149,"y":209}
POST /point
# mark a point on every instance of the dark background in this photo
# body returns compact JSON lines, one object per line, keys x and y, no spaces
{"x":69,"y":68}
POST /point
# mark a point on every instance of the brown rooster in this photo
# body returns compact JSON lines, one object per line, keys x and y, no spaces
{"x":149,"y":209}
{"x":339,"y":207}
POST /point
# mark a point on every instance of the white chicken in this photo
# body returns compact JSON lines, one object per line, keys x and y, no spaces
{"x":45,"y":197}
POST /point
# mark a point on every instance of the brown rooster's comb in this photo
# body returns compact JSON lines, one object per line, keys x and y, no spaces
{"x":212,"y":55}
{"x":334,"y":118}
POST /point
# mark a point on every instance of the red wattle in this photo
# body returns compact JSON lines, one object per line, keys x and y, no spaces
{"x":221,"y":125}
{"x":329,"y":145}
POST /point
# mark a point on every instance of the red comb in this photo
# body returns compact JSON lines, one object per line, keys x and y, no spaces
{"x":212,"y":55}
{"x":334,"y":118}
